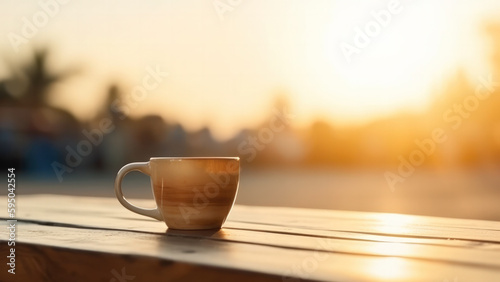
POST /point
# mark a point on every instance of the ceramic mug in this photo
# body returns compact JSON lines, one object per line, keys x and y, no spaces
{"x":190,"y":193}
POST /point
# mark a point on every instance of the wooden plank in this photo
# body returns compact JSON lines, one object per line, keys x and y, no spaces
{"x":106,"y":211}
{"x":255,"y":237}
{"x":418,"y":251}
{"x":47,"y":264}
{"x":372,"y":216}
{"x":448,"y":254}
{"x":365,"y":244}
{"x":279,"y":262}
{"x":373,"y":223}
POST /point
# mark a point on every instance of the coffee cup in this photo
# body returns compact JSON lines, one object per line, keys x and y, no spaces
{"x":190,"y":193}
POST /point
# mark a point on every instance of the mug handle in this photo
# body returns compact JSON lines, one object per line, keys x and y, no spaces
{"x":144,"y":168}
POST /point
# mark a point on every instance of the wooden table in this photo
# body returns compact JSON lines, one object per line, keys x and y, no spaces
{"x":67,"y":238}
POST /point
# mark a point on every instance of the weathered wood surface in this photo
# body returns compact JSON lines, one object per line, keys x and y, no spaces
{"x":56,"y":234}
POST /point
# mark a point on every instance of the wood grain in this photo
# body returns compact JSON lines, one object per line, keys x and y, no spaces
{"x":47,"y":264}
{"x":275,"y":261}
{"x":276,"y":243}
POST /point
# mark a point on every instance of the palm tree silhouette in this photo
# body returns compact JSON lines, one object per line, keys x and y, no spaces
{"x":31,"y":81}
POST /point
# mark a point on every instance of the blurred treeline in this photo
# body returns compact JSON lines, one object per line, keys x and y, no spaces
{"x":34,"y":134}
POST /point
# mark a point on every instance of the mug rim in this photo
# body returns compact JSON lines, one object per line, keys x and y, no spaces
{"x":195,"y":158}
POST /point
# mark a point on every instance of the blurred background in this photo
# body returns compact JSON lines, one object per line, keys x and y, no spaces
{"x":388,"y":106}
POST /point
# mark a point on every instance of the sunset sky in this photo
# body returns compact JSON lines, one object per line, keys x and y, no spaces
{"x":225,"y":68}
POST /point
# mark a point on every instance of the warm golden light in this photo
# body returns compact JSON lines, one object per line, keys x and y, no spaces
{"x":393,"y":249}
{"x":389,"y":269}
{"x":228,"y":83}
{"x":392,"y":223}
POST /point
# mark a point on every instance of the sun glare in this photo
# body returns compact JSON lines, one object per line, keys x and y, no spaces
{"x":392,"y":223}
{"x":387,"y":55}
{"x":343,"y":61}
{"x":389,"y":269}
